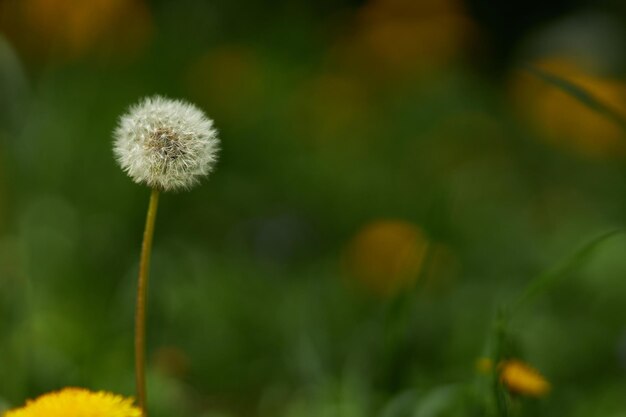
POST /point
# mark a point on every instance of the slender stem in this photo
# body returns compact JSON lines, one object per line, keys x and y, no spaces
{"x":501,"y":336}
{"x":140,"y":312}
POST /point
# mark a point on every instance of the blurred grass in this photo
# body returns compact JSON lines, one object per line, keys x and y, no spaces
{"x":580,"y":94}
{"x":549,"y":279}
{"x":333,"y":120}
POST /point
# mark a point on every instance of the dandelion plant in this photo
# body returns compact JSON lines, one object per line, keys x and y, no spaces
{"x":168,"y":145}
{"x":77,"y":402}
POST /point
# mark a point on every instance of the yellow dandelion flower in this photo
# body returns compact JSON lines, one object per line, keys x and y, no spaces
{"x":521,"y":379}
{"x":77,"y":402}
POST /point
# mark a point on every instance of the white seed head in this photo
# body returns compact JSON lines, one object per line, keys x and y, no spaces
{"x":166,"y":144}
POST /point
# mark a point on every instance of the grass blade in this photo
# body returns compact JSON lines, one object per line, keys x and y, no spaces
{"x":544,"y":282}
{"x":578,"y":93}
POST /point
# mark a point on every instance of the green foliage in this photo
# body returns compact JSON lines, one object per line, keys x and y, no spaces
{"x":254,"y":309}
{"x":549,"y":279}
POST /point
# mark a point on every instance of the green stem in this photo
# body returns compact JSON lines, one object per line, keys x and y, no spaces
{"x":140,"y":311}
{"x":501,"y":335}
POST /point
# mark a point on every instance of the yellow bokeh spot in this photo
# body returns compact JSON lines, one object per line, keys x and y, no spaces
{"x":563,"y":119}
{"x":407,"y":37}
{"x":386,"y":256}
{"x":67,"y":29}
{"x":484,"y":365}
{"x":519,"y":378}
{"x":171,"y":361}
{"x":333,"y":107}
{"x":77,"y":402}
{"x":229,"y":78}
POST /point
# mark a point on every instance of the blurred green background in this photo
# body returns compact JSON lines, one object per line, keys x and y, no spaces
{"x":391,"y":175}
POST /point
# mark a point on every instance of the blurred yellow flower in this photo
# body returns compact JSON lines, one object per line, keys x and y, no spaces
{"x":407,"y":37}
{"x":563,"y":119}
{"x":77,"y":402}
{"x":519,"y":378}
{"x":386,"y":256}
{"x":230,"y":79}
{"x":65,"y":29}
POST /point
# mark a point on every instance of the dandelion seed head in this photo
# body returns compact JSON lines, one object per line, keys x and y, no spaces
{"x":166,"y":144}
